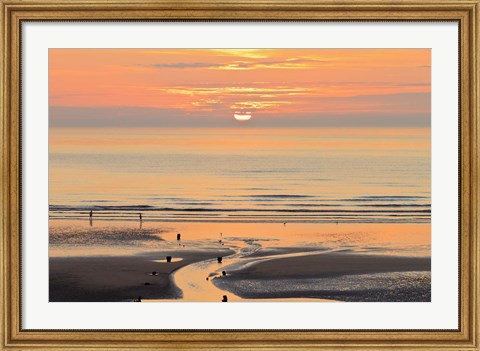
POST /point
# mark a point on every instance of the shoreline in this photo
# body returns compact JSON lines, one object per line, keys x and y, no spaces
{"x":268,"y":262}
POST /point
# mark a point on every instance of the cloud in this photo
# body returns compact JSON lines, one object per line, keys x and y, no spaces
{"x":186,"y":65}
{"x":222,"y":117}
{"x":290,"y":61}
{"x":412,"y":85}
{"x":387,"y":105}
{"x":249,"y":53}
{"x":235,"y":90}
{"x":121,"y":116}
{"x":242,"y":65}
{"x":282,"y":64}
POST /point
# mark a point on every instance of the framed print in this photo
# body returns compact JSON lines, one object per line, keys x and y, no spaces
{"x":252,"y":175}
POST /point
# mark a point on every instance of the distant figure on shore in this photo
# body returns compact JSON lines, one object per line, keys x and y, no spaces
{"x":91,"y":218}
{"x":140,"y":216}
{"x":91,"y":214}
{"x":179,"y":236}
{"x":225,"y":298}
{"x":219,"y":259}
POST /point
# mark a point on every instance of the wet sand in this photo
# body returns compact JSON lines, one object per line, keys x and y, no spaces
{"x":251,"y":276}
{"x":343,"y":276}
{"x":119,"y":278}
{"x":330,"y":264}
{"x":275,"y":262}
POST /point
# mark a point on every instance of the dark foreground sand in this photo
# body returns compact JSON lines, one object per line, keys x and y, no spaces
{"x":343,"y":276}
{"x":331,"y":264}
{"x":118,"y":278}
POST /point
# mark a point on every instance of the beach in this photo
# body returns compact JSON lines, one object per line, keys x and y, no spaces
{"x":295,"y":262}
{"x":341,"y":276}
{"x":119,"y":278}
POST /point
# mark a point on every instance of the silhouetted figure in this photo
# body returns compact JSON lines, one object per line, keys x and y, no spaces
{"x":169,"y":258}
{"x":224,"y":273}
{"x":225,"y":298}
{"x":219,"y":259}
{"x":140,"y":215}
{"x":179,"y":236}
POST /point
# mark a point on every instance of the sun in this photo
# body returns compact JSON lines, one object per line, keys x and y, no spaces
{"x":242,"y":116}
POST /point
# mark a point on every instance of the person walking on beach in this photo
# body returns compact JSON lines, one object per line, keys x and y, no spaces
{"x":91,"y":217}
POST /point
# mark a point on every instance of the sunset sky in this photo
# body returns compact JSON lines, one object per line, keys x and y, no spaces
{"x":204,"y":87}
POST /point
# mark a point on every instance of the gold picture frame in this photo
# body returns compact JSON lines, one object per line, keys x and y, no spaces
{"x":464,"y":12}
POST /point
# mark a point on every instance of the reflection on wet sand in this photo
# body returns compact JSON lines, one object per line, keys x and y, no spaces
{"x":195,"y":288}
{"x":117,"y":261}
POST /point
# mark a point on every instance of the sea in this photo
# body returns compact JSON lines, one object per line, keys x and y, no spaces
{"x":241,"y":175}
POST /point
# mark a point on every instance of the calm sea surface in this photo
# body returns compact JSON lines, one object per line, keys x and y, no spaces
{"x":241,"y":175}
